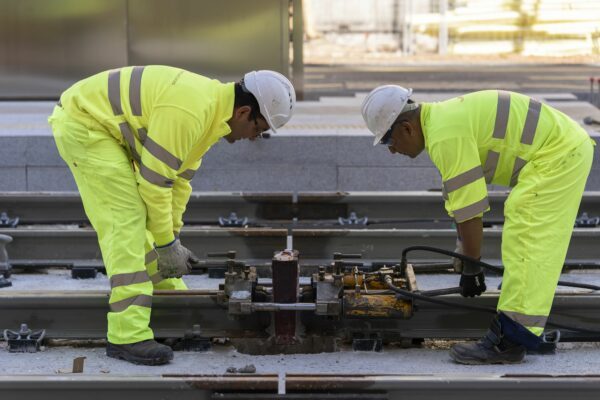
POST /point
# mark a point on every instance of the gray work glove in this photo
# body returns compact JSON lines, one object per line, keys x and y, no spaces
{"x":175,"y":260}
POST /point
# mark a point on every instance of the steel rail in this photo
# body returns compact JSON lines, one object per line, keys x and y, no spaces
{"x":62,"y":207}
{"x":82,"y":315}
{"x":300,"y":387}
{"x":62,"y":244}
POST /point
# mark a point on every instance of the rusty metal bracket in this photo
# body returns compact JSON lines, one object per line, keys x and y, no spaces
{"x":25,"y":340}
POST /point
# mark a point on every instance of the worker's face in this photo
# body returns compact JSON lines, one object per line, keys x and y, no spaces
{"x":244,"y":126}
{"x":406,"y":140}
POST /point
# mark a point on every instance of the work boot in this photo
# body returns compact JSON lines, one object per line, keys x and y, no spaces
{"x":147,"y":352}
{"x":493,"y":348}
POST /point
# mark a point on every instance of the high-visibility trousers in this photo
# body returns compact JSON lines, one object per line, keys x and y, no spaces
{"x":539,"y":216}
{"x":106,"y":180}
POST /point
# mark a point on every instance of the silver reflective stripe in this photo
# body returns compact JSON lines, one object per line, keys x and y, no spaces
{"x":129,"y":278}
{"x":530,"y":321}
{"x":150,"y":256}
{"x":468,"y":212}
{"x":491,"y":163}
{"x":444,"y":194}
{"x":157,"y":278}
{"x":128,"y":135}
{"x":114,"y":91}
{"x":463,"y":179}
{"x":142,"y":300}
{"x":502,"y":112}
{"x":154,"y":177}
{"x":162,"y":154}
{"x":531,"y":121}
{"x":135,"y":91}
{"x":519,"y":164}
{"x":187,"y":174}
{"x":143,"y":134}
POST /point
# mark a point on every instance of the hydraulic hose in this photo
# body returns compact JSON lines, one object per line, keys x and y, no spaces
{"x":424,"y":297}
{"x":480,"y":263}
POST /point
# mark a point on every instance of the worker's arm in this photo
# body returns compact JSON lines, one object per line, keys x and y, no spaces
{"x":470,"y":233}
{"x":465,"y":195}
{"x":182,"y":189}
{"x":171,"y":134}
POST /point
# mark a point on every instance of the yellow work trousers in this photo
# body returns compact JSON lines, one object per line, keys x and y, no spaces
{"x":539,"y":216}
{"x":107,"y":184}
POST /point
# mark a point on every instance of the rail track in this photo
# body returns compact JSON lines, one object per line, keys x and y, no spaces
{"x":300,"y":387}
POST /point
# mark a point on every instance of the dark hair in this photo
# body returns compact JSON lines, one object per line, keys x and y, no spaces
{"x":245,"y":98}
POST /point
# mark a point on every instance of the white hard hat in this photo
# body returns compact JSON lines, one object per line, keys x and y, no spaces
{"x":275,"y":95}
{"x":382,"y":106}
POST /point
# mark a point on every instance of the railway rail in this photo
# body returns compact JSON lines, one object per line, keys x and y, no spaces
{"x":300,"y":387}
{"x":207,"y":207}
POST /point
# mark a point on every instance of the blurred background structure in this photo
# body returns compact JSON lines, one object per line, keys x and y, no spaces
{"x":546,"y":28}
{"x":335,"y":51}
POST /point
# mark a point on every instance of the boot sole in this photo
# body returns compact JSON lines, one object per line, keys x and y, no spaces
{"x":474,"y":361}
{"x":123,"y":355}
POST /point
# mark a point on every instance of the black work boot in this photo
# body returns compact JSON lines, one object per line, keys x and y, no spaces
{"x":493,"y":348}
{"x":147,"y":352}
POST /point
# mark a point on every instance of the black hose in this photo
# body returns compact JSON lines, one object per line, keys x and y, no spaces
{"x":480,"y":263}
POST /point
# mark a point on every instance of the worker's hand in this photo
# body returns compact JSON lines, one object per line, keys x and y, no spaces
{"x":472,"y":280}
{"x":175,"y":260}
{"x":457,"y":262}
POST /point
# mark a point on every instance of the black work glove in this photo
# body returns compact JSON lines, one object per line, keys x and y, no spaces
{"x":472,"y":280}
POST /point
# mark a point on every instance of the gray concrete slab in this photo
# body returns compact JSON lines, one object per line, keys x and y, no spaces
{"x":50,"y":178}
{"x":326,"y":147}
{"x":13,"y":151}
{"x":266,"y":177}
{"x":387,"y":178}
{"x":13,"y":178}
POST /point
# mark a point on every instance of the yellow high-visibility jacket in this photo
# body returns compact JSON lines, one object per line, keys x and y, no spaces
{"x":487,"y":137}
{"x":167,"y":118}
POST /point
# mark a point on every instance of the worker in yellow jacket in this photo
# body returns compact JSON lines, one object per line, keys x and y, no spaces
{"x":508,"y":139}
{"x":133,"y":138}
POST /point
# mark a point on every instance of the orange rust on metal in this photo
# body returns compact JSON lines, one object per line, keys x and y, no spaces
{"x":360,"y":305}
{"x":373,"y":282}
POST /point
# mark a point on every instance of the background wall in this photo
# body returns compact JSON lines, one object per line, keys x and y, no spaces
{"x":46,"y":45}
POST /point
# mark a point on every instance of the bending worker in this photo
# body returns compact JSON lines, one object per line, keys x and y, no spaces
{"x":133,"y":138}
{"x":502,"y":138}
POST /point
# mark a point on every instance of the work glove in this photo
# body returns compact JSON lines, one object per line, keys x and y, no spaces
{"x":175,"y":260}
{"x":472,"y":280}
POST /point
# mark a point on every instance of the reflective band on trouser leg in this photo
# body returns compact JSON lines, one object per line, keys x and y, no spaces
{"x":152,"y":268}
{"x":537,"y":231}
{"x":113,"y":205}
